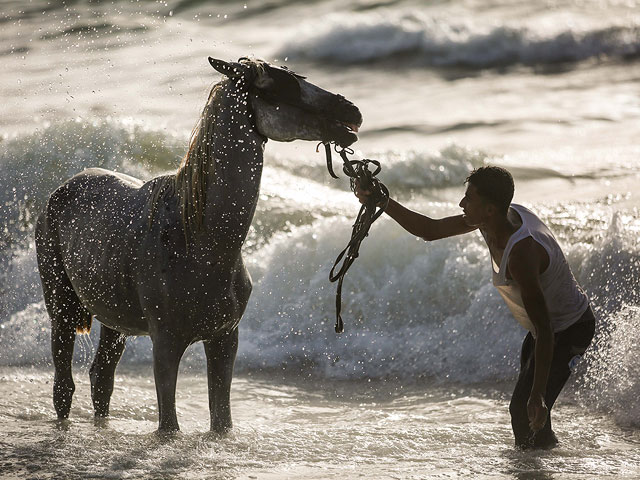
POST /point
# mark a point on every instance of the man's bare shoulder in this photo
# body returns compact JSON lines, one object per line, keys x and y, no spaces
{"x":527,"y":256}
{"x":524,"y":247}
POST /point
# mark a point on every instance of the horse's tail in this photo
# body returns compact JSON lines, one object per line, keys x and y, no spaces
{"x":63,"y":304}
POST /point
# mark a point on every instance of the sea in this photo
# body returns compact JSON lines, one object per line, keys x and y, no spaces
{"x":418,"y":385}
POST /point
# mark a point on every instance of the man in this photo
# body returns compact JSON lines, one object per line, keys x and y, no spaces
{"x":534,"y":279}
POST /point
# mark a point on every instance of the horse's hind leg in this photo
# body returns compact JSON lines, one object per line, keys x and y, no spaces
{"x":103,"y":369}
{"x":63,"y":336}
{"x":66,"y":312}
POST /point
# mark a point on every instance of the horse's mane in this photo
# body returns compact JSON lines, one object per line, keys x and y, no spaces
{"x":191,"y":177}
{"x":190,"y":181}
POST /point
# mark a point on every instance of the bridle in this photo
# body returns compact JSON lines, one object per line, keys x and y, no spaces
{"x":358,"y":173}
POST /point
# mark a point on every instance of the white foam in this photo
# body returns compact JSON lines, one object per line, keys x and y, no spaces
{"x":613,"y":367}
{"x":415,"y":170}
{"x":33,"y":165}
{"x":419,"y":309}
{"x":24,"y":338}
{"x":410,"y":308}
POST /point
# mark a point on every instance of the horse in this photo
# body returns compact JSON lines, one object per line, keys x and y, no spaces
{"x":163,"y":258}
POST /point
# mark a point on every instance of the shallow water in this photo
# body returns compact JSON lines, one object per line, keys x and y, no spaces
{"x":292,"y":428}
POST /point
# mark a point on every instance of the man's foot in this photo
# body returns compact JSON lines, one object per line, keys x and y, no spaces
{"x":542,"y":440}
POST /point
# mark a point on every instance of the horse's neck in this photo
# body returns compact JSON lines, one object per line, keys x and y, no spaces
{"x":234,"y":180}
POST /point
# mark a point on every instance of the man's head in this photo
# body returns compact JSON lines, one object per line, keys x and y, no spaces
{"x":489,"y":193}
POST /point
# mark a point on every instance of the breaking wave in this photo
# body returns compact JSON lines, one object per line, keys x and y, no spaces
{"x":412,"y":309}
{"x":420,"y":39}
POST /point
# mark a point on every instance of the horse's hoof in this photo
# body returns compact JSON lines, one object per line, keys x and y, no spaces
{"x":167,"y":435}
{"x":100,"y":421}
{"x":214,"y":436}
{"x":62,"y":424}
{"x":221,"y":430}
{"x":100,"y":411}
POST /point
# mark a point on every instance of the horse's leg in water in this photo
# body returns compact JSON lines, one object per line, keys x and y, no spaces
{"x":65,"y":310}
{"x":63,"y":336}
{"x":66,"y":314}
{"x":221,"y":355}
{"x":103,"y":369}
{"x":167,"y":352}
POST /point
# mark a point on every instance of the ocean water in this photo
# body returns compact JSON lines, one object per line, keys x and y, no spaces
{"x":418,"y":385}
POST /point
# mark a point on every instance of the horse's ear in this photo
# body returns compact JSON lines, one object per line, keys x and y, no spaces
{"x":231,"y":70}
{"x":284,"y":81}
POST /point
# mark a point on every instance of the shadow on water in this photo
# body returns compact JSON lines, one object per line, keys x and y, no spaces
{"x":80,"y":449}
{"x":527,"y":464}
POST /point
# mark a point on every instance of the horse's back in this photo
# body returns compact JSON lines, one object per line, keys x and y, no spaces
{"x":94,"y":203}
{"x":97,"y":220}
{"x":93,"y":182}
{"x":97,"y":192}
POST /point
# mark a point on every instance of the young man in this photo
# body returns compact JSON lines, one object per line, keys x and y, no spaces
{"x":533,"y":277}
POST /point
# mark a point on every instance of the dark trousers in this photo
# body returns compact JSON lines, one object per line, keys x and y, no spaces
{"x":567,"y":344}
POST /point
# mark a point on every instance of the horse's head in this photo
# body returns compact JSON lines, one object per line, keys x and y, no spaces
{"x":287,"y":107}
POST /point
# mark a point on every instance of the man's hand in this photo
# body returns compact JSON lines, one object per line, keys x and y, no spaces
{"x":363,"y":195}
{"x":537,"y":412}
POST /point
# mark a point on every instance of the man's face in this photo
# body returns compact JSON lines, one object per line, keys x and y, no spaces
{"x":476,"y":209}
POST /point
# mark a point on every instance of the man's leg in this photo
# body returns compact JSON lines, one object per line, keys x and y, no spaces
{"x":567,"y":344}
{"x":524,"y":436}
{"x":518,"y":405}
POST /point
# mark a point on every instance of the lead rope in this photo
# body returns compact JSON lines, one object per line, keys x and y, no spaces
{"x":356,"y":170}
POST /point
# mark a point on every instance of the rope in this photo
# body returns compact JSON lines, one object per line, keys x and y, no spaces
{"x":357,"y":171}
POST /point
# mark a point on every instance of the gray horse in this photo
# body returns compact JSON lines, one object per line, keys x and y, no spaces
{"x":163,"y":258}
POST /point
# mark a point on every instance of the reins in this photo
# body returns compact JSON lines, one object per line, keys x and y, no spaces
{"x":357,"y":171}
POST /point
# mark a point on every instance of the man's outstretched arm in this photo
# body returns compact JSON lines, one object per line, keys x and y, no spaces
{"x":421,"y":225}
{"x":425,"y":227}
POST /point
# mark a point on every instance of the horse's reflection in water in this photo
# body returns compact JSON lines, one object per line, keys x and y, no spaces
{"x":162,"y":258}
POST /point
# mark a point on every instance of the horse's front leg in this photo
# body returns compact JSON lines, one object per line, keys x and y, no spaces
{"x":221,"y":355}
{"x":167,"y":352}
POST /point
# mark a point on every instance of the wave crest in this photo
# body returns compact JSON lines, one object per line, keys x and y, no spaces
{"x":424,"y":40}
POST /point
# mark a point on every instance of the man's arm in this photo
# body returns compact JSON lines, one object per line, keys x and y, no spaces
{"x":425,"y":227}
{"x":421,"y":225}
{"x":524,"y":265}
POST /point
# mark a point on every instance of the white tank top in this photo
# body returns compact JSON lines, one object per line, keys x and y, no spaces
{"x":566,"y":302}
